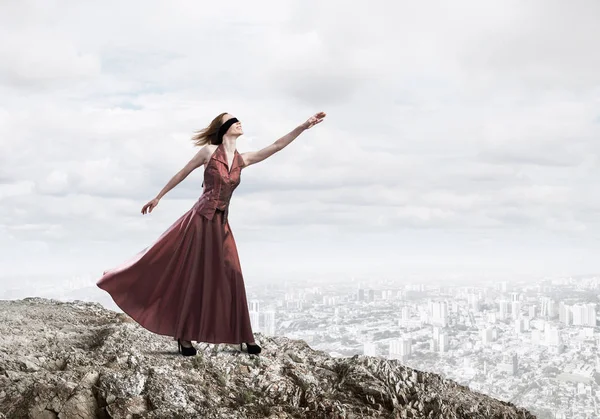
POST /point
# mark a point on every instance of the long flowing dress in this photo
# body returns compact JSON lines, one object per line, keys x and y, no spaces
{"x":188,"y":284}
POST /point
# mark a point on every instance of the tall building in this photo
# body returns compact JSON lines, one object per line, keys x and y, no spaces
{"x":361,"y":294}
{"x":400,"y":348}
{"x":503,"y":309}
{"x":532,"y":312}
{"x":549,"y":308}
{"x":519,"y":326}
{"x":487,"y":336}
{"x":255,"y":321}
{"x":591,"y":315}
{"x":583,"y":314}
{"x":443,"y":342}
{"x":438,"y":311}
{"x":553,"y":339}
{"x":268,"y":327}
{"x":516,"y":309}
{"x":254,"y":305}
{"x":565,"y":313}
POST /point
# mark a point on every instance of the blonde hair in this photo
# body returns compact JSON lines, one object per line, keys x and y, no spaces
{"x":209,"y":134}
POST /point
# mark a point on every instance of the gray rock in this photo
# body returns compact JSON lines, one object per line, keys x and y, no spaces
{"x":89,"y":362}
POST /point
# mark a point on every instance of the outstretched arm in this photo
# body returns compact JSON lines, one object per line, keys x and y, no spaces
{"x":252,"y":157}
{"x":198,"y":160}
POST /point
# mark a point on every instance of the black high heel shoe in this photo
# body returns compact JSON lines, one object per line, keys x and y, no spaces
{"x":185,"y":351}
{"x":252,"y":349}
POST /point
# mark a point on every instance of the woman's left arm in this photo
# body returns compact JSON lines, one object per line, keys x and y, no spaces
{"x":252,"y":157}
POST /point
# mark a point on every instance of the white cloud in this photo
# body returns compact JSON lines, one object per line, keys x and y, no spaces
{"x":444,"y":118}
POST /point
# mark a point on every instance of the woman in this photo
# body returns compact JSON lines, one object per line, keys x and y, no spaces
{"x":189,"y":283}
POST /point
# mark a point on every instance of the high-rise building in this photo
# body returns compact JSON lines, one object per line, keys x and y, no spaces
{"x":503,"y":309}
{"x":565,"y":313}
{"x":591,"y":315}
{"x":443,"y":342}
{"x":519,"y":326}
{"x":268,"y":327}
{"x":487,"y":336}
{"x":438,"y":311}
{"x":583,"y":314}
{"x":516,"y":309}
{"x":532,"y":312}
{"x":361,"y":294}
{"x":400,"y":348}
{"x":553,"y":339}
{"x":526,"y":323}
{"x":549,"y":308}
{"x":255,"y":321}
{"x":254,"y":305}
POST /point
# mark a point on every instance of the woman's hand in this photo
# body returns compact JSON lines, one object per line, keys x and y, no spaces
{"x":314,"y":120}
{"x":150,"y":206}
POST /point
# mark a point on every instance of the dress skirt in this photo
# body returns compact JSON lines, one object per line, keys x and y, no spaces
{"x":187,"y":285}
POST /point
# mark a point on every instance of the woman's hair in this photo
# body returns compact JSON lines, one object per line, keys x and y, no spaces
{"x":209,"y":135}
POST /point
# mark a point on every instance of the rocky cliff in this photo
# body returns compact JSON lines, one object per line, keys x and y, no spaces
{"x":79,"y":360}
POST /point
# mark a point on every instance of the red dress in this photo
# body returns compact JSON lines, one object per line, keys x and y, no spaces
{"x":188,"y":284}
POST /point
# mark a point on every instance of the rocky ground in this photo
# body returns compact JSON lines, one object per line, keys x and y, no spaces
{"x":79,"y":360}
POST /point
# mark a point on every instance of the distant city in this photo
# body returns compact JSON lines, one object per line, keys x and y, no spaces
{"x":534,"y":343}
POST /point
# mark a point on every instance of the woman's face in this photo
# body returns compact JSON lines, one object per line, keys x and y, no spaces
{"x":235,"y":129}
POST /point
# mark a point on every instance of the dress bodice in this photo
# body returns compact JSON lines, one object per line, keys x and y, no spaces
{"x":219,"y":183}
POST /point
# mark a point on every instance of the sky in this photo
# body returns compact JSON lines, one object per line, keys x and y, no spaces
{"x":460,"y":136}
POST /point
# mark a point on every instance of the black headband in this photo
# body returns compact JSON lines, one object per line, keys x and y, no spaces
{"x":224,"y":129}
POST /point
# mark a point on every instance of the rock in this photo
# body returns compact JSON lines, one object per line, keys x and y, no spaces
{"x":125,"y":408}
{"x":82,"y":404}
{"x":44,"y":414}
{"x":89,"y":362}
{"x":29,"y":364}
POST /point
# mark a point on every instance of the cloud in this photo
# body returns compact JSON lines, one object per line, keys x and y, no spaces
{"x":470,"y":117}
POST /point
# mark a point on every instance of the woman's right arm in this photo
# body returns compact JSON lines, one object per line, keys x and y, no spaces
{"x":198,"y":160}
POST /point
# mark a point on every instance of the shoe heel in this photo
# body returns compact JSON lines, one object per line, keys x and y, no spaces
{"x":184,"y":350}
{"x":253,"y":349}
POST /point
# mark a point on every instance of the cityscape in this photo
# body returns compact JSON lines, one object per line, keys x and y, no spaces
{"x":534,"y":344}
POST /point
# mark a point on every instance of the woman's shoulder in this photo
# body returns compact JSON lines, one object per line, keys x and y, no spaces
{"x":208,"y":149}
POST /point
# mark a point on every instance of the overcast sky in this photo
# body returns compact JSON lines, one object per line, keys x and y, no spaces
{"x":460,"y":136}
